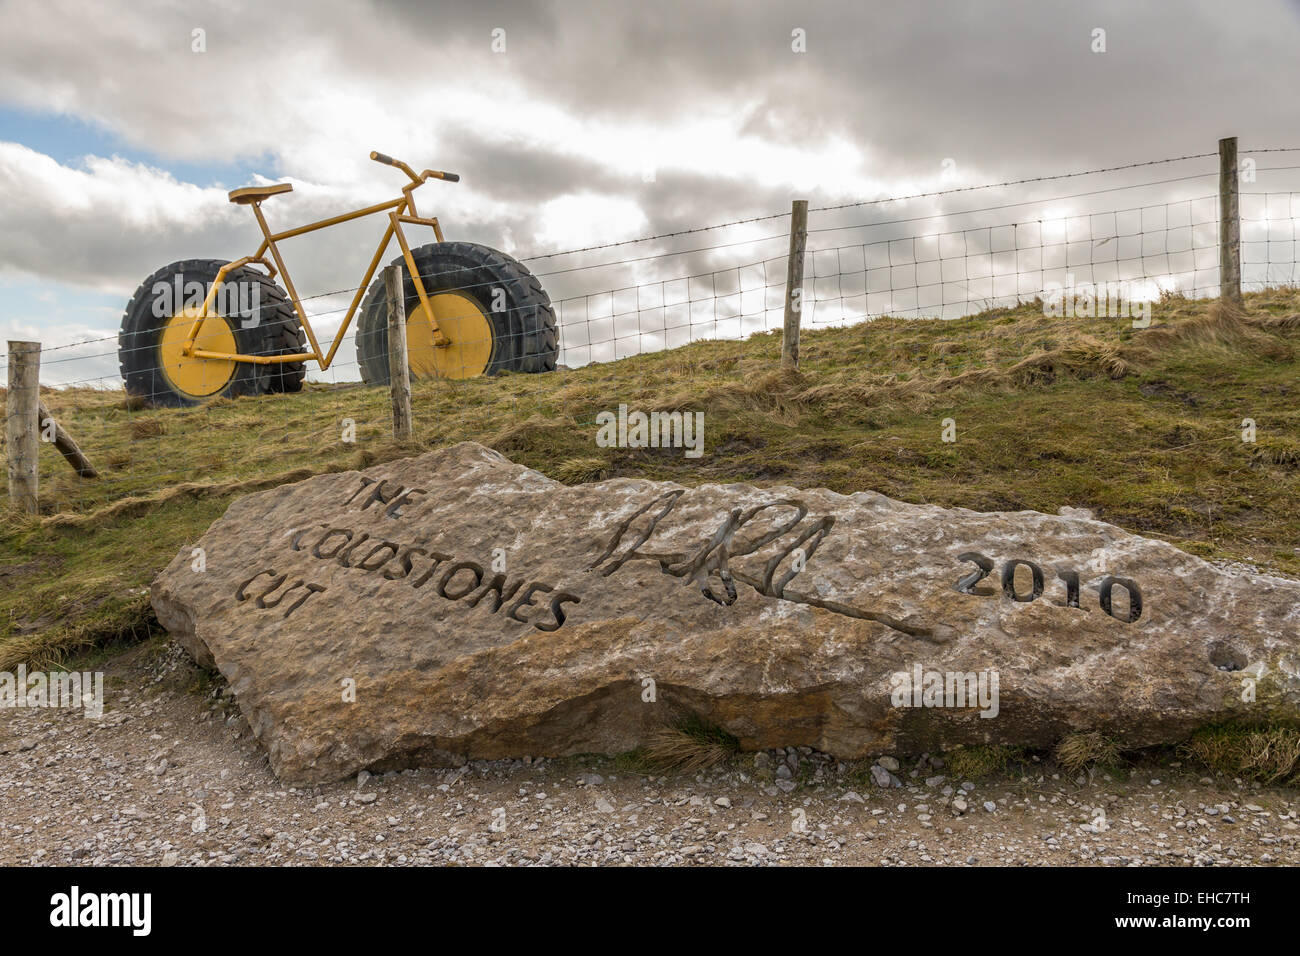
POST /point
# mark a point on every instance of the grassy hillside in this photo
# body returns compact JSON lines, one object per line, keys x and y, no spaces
{"x":1142,"y":426}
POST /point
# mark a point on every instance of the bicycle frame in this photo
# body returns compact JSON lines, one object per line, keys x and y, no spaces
{"x":399,"y":211}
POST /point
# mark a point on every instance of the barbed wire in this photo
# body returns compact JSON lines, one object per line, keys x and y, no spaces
{"x":823,"y":230}
{"x":1015,"y":182}
{"x":301,"y":300}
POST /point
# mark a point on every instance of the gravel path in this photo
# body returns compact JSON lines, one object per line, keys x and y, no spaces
{"x":171,"y":776}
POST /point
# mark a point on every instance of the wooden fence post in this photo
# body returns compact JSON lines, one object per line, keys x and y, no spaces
{"x":794,"y":283}
{"x":1229,"y":223}
{"x":53,"y":432}
{"x":399,"y":370}
{"x":22,"y":430}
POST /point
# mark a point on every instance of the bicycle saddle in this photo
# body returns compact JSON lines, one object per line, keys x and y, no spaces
{"x":257,"y":193}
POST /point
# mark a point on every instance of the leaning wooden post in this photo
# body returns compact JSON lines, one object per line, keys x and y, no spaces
{"x":1229,"y":223}
{"x":794,"y":283}
{"x":52,"y":431}
{"x":399,"y":370}
{"x":22,"y":431}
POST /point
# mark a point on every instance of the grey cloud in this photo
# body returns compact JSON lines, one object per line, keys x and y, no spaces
{"x":1003,"y":84}
{"x":1005,"y":89}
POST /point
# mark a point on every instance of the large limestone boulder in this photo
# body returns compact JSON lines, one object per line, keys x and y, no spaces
{"x":456,"y":605}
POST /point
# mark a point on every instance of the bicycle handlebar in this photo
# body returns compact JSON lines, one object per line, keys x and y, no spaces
{"x":427,"y":174}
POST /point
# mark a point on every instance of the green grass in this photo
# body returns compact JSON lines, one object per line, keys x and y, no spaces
{"x":1269,"y":754}
{"x":972,"y":763}
{"x":1141,"y":426}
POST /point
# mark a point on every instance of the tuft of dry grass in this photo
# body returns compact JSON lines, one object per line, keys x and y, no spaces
{"x":1082,"y":750}
{"x":126,"y":620}
{"x":1278,"y":451}
{"x":193,"y":490}
{"x":533,"y":431}
{"x":1222,"y":327}
{"x":147,"y":428}
{"x":1084,"y":358}
{"x":576,"y":471}
{"x":688,"y":745}
{"x":1269,"y":754}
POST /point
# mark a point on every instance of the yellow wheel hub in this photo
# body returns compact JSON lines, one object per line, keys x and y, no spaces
{"x":463,"y":321}
{"x":197,"y":376}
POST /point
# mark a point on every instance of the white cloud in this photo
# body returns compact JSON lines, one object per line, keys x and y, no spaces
{"x":584,"y":219}
{"x":88,"y":226}
{"x":553,"y":137}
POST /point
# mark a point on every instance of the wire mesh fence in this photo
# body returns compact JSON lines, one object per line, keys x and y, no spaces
{"x":1134,"y":234}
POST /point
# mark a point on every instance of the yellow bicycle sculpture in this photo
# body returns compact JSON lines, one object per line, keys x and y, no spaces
{"x":200,"y":329}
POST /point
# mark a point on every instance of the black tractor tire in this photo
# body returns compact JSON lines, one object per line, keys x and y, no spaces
{"x":524,"y":336}
{"x":288,"y":339}
{"x":272,"y":328}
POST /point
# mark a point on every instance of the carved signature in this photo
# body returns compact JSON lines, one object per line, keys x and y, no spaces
{"x":713,"y":557}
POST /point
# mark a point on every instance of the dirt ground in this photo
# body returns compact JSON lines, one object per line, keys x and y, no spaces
{"x":171,"y":776}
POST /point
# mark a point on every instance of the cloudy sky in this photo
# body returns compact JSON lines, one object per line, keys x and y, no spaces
{"x":575,"y":124}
